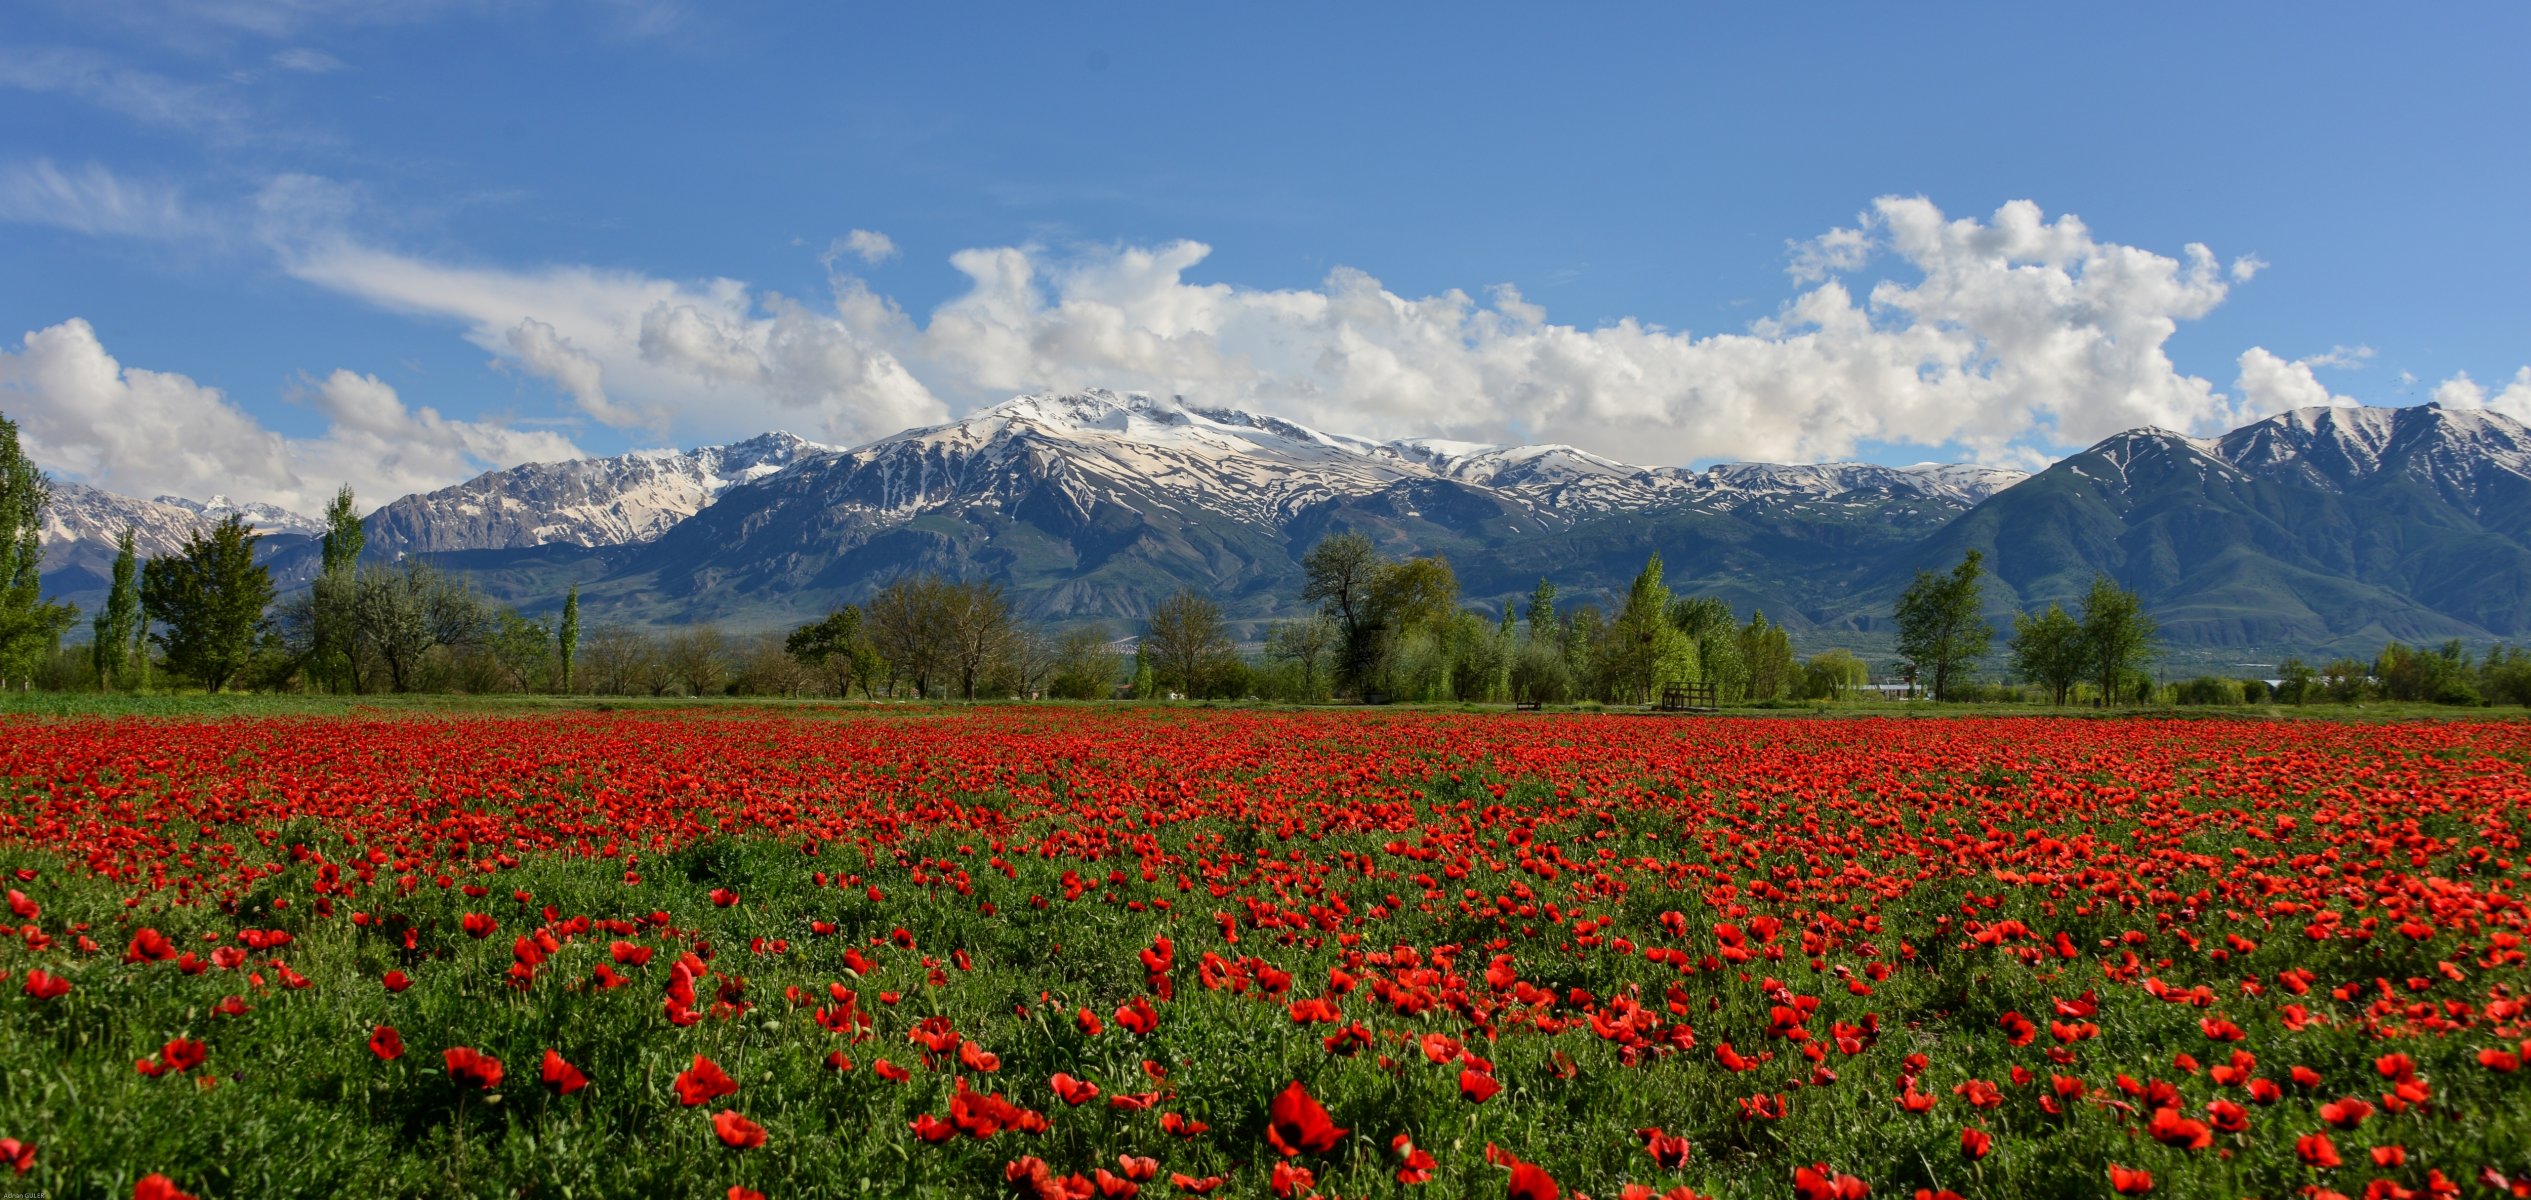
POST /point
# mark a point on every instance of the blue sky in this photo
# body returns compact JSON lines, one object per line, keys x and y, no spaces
{"x":262,"y":246}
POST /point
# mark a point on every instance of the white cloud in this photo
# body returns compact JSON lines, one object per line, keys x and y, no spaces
{"x":92,"y":200}
{"x":634,"y":351}
{"x":2343,"y":358}
{"x":867,"y":245}
{"x":2270,"y":384}
{"x":2008,"y":337}
{"x":147,"y":433}
{"x":309,"y":60}
{"x":2461,"y":391}
{"x":140,"y":95}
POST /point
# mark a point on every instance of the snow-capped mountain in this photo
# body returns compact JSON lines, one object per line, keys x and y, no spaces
{"x":623,"y":500}
{"x":1104,"y":502}
{"x":267,"y":519}
{"x":2336,"y":528}
{"x":82,"y":526}
{"x":1098,"y":447}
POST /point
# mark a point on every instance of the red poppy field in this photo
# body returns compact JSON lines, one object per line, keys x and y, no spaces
{"x":1046,"y":952}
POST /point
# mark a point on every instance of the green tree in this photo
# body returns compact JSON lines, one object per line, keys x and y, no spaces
{"x":29,"y":625}
{"x":1768,"y":650}
{"x":1707,"y":621}
{"x":333,"y":629}
{"x":1185,"y":642}
{"x":1644,"y":651}
{"x":1085,"y":666}
{"x":1940,"y":635}
{"x":1832,"y":675}
{"x":118,"y":626}
{"x":567,"y":637}
{"x":209,"y":601}
{"x":1542,"y":610}
{"x":2297,"y":682}
{"x":2050,"y":650}
{"x":523,"y":650}
{"x":1309,"y":644}
{"x":838,"y":646}
{"x":1341,"y":570}
{"x":2117,"y":635}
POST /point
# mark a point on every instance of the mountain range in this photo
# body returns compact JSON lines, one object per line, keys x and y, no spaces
{"x":2315,"y":531}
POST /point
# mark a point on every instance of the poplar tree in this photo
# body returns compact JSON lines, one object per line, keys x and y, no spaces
{"x":567,"y":635}
{"x":118,"y":627}
{"x":28,"y":623}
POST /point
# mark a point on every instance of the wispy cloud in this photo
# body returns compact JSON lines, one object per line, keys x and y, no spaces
{"x":90,"y":199}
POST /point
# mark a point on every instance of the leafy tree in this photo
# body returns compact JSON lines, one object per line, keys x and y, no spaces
{"x":332,"y":624}
{"x":1940,"y":635}
{"x":2049,"y":649}
{"x":1341,"y":570}
{"x":2505,"y":676}
{"x":209,"y":602}
{"x":838,"y":646}
{"x":2117,"y":634}
{"x":1085,"y":664}
{"x":567,"y":636}
{"x":1707,"y":622}
{"x":523,"y":650}
{"x":2297,"y":682}
{"x":1542,"y":610}
{"x":1644,"y":651}
{"x":1185,"y":642}
{"x":1540,"y":674}
{"x":118,"y":626}
{"x":29,"y":625}
{"x":1832,"y":675}
{"x":1769,"y":652}
{"x":1309,"y":644}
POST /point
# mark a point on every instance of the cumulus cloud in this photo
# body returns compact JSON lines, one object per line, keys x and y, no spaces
{"x":2007,"y":337}
{"x":709,"y":357}
{"x":141,"y":432}
{"x":2270,"y":384}
{"x":2514,"y":400}
{"x":867,"y":245}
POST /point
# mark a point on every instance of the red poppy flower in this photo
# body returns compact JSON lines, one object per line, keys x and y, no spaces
{"x":737,"y":1132}
{"x":1530,"y":1182}
{"x":1667,"y":1149}
{"x":45,"y":986}
{"x":386,"y":1043}
{"x":18,"y":1156}
{"x":183,"y":1054}
{"x":158,"y":1187}
{"x":468,"y":1065}
{"x":561,"y":1076}
{"x":1296,"y":1123}
{"x":395,"y":981}
{"x":1074,"y":1091}
{"x":1193,"y":1186}
{"x":703,"y":1082}
{"x":1818,"y":1182}
{"x":2315,"y":1149}
{"x":1290,"y":1181}
{"x":2128,"y":1181}
{"x":1975,"y":1144}
{"x":1414,"y":1163}
{"x":1476,"y":1087}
